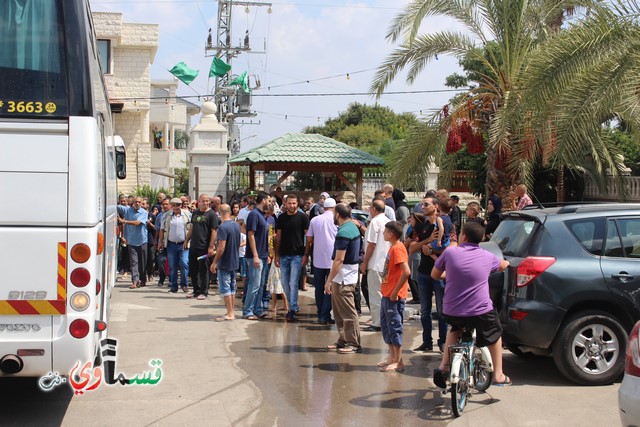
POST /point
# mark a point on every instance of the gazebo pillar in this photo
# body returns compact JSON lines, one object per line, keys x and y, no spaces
{"x":252,"y":177}
{"x":359,"y":187}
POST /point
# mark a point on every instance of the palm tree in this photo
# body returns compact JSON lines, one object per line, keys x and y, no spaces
{"x":504,"y":36}
{"x":589,"y":74}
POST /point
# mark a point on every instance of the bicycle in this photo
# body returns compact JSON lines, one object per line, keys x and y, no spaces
{"x":480,"y":366}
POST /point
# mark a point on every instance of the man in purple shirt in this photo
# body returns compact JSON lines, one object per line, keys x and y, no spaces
{"x":466,"y":302}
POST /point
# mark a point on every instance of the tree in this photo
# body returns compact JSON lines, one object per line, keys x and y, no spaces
{"x":500,"y":43}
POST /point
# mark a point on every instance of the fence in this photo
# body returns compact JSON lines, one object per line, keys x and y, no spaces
{"x":611,"y":193}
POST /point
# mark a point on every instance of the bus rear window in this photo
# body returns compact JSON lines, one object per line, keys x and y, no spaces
{"x":33,"y":81}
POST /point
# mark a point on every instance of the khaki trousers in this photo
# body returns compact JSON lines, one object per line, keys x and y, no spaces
{"x":345,"y":314}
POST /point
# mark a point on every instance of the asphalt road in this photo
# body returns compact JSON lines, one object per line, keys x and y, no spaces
{"x":271,"y":373}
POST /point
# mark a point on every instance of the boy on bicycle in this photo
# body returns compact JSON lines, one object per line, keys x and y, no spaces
{"x":466,"y":302}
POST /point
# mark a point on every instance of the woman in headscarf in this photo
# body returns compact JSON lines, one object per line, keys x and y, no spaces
{"x":402,"y":210}
{"x":493,"y":218}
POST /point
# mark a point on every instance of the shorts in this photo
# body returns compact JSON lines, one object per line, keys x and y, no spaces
{"x":227,"y":282}
{"x":487,"y":326}
{"x":391,"y":320}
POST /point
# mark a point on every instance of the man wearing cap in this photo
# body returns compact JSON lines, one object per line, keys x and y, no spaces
{"x":317,"y":208}
{"x":321,"y":237}
{"x":173,"y":234}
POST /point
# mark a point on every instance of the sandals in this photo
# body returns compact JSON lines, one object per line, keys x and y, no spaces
{"x":505,"y":383}
{"x":349,"y":350}
{"x":440,"y":378}
{"x":224,"y":318}
{"x":134,"y":286}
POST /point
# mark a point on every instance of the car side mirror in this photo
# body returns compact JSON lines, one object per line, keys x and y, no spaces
{"x":121,"y":162}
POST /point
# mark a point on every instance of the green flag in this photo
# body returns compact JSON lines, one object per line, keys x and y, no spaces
{"x":185,"y":74}
{"x":242,"y":80}
{"x":218,"y":67}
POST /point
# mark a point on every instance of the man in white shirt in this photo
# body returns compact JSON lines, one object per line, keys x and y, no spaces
{"x":321,"y":236}
{"x":173,"y":236}
{"x":376,"y":249}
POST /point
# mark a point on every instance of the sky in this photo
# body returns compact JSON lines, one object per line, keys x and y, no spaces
{"x":305,"y":40}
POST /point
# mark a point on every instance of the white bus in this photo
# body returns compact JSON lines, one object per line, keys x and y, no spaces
{"x":58,"y":169}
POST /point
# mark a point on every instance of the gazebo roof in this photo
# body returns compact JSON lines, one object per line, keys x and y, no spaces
{"x":306,"y":148}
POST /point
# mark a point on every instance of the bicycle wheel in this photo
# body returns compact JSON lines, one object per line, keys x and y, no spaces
{"x":459,"y":391}
{"x":482,"y":379}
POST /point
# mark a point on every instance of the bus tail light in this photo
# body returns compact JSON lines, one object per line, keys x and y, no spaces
{"x":100,"y":326}
{"x":100,"y":243}
{"x":80,"y":277}
{"x":79,"y":328}
{"x":98,"y":287}
{"x":80,"y":253}
{"x":79,"y":301}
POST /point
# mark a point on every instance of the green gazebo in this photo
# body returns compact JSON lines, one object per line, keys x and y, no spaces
{"x":301,"y":152}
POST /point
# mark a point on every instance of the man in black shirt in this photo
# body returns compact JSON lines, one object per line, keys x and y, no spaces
{"x":290,"y":245}
{"x":428,"y":286}
{"x":202,"y":235}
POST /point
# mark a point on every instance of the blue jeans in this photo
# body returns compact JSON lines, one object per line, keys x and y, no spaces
{"x":254,"y":287}
{"x":323,"y":301}
{"x":426,"y":288}
{"x":178,"y":258}
{"x":227,"y":282}
{"x":290,"y":268}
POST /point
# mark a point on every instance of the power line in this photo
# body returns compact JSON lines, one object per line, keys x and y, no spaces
{"x":347,"y":75}
{"x":402,"y":92}
{"x":340,"y":6}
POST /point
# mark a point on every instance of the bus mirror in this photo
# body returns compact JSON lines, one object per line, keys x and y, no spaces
{"x":121,"y":163}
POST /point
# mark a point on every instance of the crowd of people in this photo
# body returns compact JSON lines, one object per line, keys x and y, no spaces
{"x":268,"y":242}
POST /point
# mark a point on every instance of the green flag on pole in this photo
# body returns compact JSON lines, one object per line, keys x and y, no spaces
{"x":242,"y":80}
{"x":218,"y":67}
{"x":185,"y":74}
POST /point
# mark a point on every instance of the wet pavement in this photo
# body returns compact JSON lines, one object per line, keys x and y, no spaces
{"x":303,"y":384}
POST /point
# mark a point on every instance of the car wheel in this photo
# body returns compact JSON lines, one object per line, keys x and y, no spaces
{"x":589,"y":348}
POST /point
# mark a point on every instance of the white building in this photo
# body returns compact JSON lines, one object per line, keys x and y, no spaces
{"x":168,"y":115}
{"x":127,"y":51}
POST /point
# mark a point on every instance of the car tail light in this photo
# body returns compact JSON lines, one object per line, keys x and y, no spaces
{"x":79,"y":328}
{"x":632,"y":362}
{"x":517,"y":314}
{"x":80,"y":253}
{"x":532,"y":267}
{"x":80,"y":277}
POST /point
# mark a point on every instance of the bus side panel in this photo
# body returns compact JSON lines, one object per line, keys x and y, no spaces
{"x":86,"y":176}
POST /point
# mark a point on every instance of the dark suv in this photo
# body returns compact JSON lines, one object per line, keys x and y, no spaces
{"x":573,"y":286}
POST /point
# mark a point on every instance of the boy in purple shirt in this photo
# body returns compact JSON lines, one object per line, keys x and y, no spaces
{"x":466,"y":302}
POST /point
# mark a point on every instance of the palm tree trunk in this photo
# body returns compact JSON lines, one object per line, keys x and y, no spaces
{"x":560,"y":196}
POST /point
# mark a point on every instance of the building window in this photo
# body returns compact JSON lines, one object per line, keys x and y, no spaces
{"x":104,"y":50}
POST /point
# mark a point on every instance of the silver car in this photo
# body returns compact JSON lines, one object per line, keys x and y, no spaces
{"x":629,"y":391}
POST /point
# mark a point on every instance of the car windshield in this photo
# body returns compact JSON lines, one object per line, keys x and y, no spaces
{"x":513,"y":234}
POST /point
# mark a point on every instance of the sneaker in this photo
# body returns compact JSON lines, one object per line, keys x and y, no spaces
{"x":290,"y":316}
{"x":160,"y":284}
{"x":171,"y":291}
{"x":184,"y":289}
{"x":201,"y":297}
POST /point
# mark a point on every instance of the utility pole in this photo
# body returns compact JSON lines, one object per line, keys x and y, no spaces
{"x":224,"y":94}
